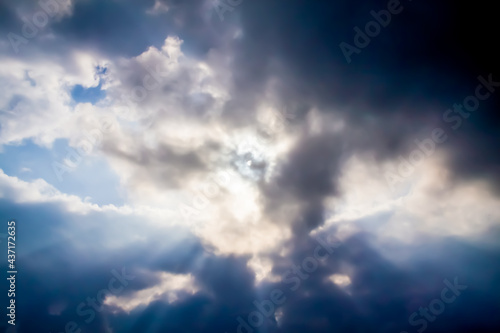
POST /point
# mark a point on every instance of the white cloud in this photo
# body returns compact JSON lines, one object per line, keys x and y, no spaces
{"x":429,"y":202}
{"x":340,"y":280}
{"x":37,"y":97}
{"x":170,"y":288}
{"x":158,"y":8}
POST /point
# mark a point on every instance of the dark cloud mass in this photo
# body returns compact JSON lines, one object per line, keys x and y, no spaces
{"x":252,"y":252}
{"x":380,"y":299}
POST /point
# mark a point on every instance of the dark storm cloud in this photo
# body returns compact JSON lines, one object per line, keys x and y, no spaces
{"x":311,"y":167}
{"x":7,"y":18}
{"x":398,"y":87}
{"x":383,"y":295}
{"x":126,"y":29}
{"x":117,"y":28}
{"x":307,"y":178}
{"x":58,"y":275}
{"x":108,"y":25}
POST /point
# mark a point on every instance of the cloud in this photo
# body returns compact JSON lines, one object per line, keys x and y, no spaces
{"x":235,"y":144}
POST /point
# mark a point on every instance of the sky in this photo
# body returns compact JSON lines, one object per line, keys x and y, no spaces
{"x":249,"y":166}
